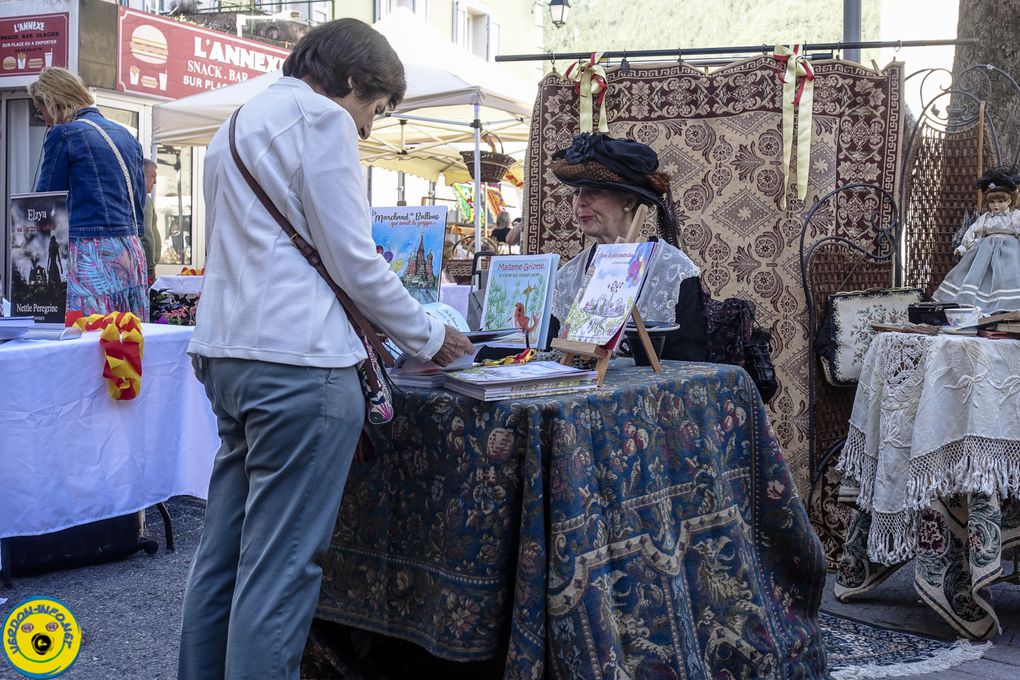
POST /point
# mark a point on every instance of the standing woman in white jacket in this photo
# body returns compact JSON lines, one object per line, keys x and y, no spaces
{"x":276,"y":353}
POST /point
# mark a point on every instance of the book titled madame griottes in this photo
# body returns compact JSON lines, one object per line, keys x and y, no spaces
{"x":518,"y":295}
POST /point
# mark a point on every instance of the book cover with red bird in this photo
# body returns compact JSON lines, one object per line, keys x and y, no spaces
{"x":518,"y":294}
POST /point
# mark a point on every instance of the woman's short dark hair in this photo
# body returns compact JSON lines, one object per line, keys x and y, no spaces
{"x":345,"y":51}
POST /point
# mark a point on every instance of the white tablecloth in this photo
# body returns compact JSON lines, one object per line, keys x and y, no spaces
{"x":934,"y":416}
{"x":69,"y":454}
{"x":179,"y":284}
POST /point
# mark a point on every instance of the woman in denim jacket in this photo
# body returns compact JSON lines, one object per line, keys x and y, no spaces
{"x":106,"y":194}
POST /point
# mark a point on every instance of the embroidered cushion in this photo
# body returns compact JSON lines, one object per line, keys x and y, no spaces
{"x":846,"y":332}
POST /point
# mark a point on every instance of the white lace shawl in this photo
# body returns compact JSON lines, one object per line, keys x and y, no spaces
{"x":668,"y":269}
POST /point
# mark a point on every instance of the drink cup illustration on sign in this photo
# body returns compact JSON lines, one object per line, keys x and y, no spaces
{"x":48,"y":58}
{"x":162,"y":80}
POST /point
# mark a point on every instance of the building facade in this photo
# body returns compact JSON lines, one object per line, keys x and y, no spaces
{"x":136,"y":54}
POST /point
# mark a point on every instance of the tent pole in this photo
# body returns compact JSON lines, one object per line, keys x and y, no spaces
{"x":479,"y":199}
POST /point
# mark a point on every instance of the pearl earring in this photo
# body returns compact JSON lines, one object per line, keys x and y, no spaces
{"x":626,"y":208}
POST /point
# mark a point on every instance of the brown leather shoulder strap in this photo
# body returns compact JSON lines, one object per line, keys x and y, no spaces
{"x":362,"y":326}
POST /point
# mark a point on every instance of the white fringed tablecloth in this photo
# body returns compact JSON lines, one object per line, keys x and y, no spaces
{"x":934,"y":417}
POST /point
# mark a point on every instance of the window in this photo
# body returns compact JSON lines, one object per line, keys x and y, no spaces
{"x":173,"y":193}
{"x":125,"y":117}
{"x":475,"y":30}
{"x":26,"y":132}
{"x":384,"y":8}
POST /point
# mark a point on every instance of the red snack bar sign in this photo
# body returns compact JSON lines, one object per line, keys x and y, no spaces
{"x":165,"y":58}
{"x":31,"y":43}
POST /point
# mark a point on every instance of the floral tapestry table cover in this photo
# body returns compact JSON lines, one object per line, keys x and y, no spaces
{"x":648,"y":529}
{"x":959,"y":554}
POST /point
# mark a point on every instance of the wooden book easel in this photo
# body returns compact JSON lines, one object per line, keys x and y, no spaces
{"x":600,"y":353}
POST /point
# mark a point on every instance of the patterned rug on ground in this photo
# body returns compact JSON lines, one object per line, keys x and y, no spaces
{"x":860,"y":650}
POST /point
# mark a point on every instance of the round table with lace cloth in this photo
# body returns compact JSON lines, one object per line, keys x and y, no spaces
{"x":932,"y":465}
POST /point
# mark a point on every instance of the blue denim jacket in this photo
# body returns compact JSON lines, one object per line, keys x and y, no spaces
{"x":78,"y":160}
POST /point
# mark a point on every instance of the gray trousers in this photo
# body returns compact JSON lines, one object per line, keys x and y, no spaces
{"x":288,"y":436}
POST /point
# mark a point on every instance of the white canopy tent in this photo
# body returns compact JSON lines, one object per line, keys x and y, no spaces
{"x":452,"y":98}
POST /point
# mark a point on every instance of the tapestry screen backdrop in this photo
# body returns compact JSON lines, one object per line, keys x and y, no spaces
{"x":719,"y":136}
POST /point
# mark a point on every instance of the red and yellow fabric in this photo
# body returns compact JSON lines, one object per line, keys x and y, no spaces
{"x":522,"y":358}
{"x":122,"y":345}
{"x":192,"y":271}
{"x":591,"y":86}
{"x":797,"y":104}
{"x":495,"y":199}
{"x":515,"y":176}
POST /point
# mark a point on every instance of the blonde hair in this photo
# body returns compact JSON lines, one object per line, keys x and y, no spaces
{"x":1011,"y":196}
{"x":61,"y":92}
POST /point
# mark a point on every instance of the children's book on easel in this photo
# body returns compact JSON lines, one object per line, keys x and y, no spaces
{"x":606,"y":301}
{"x":518,"y":295}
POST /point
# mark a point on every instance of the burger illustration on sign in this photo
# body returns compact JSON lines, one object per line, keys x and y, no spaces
{"x":148,"y":44}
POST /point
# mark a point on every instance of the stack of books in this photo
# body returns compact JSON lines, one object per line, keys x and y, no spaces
{"x":411,"y":372}
{"x":413,"y":376}
{"x":15,"y":326}
{"x":519,"y":381}
{"x":1000,"y":325}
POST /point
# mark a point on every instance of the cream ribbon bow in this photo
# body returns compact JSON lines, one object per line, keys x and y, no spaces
{"x":590,"y":83}
{"x":796,"y":101}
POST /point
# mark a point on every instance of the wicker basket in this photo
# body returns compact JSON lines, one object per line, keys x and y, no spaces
{"x":494,"y":163}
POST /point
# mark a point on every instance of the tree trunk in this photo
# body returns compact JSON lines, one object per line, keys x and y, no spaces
{"x":995,"y":24}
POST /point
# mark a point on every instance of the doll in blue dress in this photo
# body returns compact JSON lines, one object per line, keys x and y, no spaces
{"x":988,"y":273}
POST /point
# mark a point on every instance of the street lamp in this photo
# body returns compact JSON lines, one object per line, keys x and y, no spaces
{"x":559,"y":9}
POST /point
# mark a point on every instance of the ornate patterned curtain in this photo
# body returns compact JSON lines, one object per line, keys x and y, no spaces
{"x":719,"y":135}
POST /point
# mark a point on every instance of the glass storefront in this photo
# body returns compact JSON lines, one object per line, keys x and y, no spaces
{"x":173,"y":203}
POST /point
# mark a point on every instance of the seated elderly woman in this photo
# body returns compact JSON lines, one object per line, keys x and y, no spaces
{"x":611,"y":178}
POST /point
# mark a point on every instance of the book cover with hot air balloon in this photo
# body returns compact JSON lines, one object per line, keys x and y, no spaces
{"x":518,"y":295}
{"x":410,"y":239}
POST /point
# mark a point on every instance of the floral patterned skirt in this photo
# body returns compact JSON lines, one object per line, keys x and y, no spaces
{"x":107,"y":274}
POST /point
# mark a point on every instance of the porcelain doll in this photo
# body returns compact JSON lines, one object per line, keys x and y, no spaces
{"x":988,"y":273}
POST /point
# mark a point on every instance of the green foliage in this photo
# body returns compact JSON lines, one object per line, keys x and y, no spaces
{"x":499,"y":308}
{"x":668,"y":24}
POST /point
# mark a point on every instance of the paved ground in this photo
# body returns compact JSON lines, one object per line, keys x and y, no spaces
{"x":130,"y":611}
{"x":894,"y":604}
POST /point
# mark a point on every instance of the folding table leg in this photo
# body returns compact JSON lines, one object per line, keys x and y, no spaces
{"x":168,"y":525}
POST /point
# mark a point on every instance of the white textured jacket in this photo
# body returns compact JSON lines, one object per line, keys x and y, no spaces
{"x":260,"y":297}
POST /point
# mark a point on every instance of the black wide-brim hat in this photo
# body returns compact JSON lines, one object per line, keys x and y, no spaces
{"x":1003,"y":178}
{"x":597,"y":161}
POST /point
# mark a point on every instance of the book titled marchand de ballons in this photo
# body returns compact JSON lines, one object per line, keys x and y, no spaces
{"x":410,"y":239}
